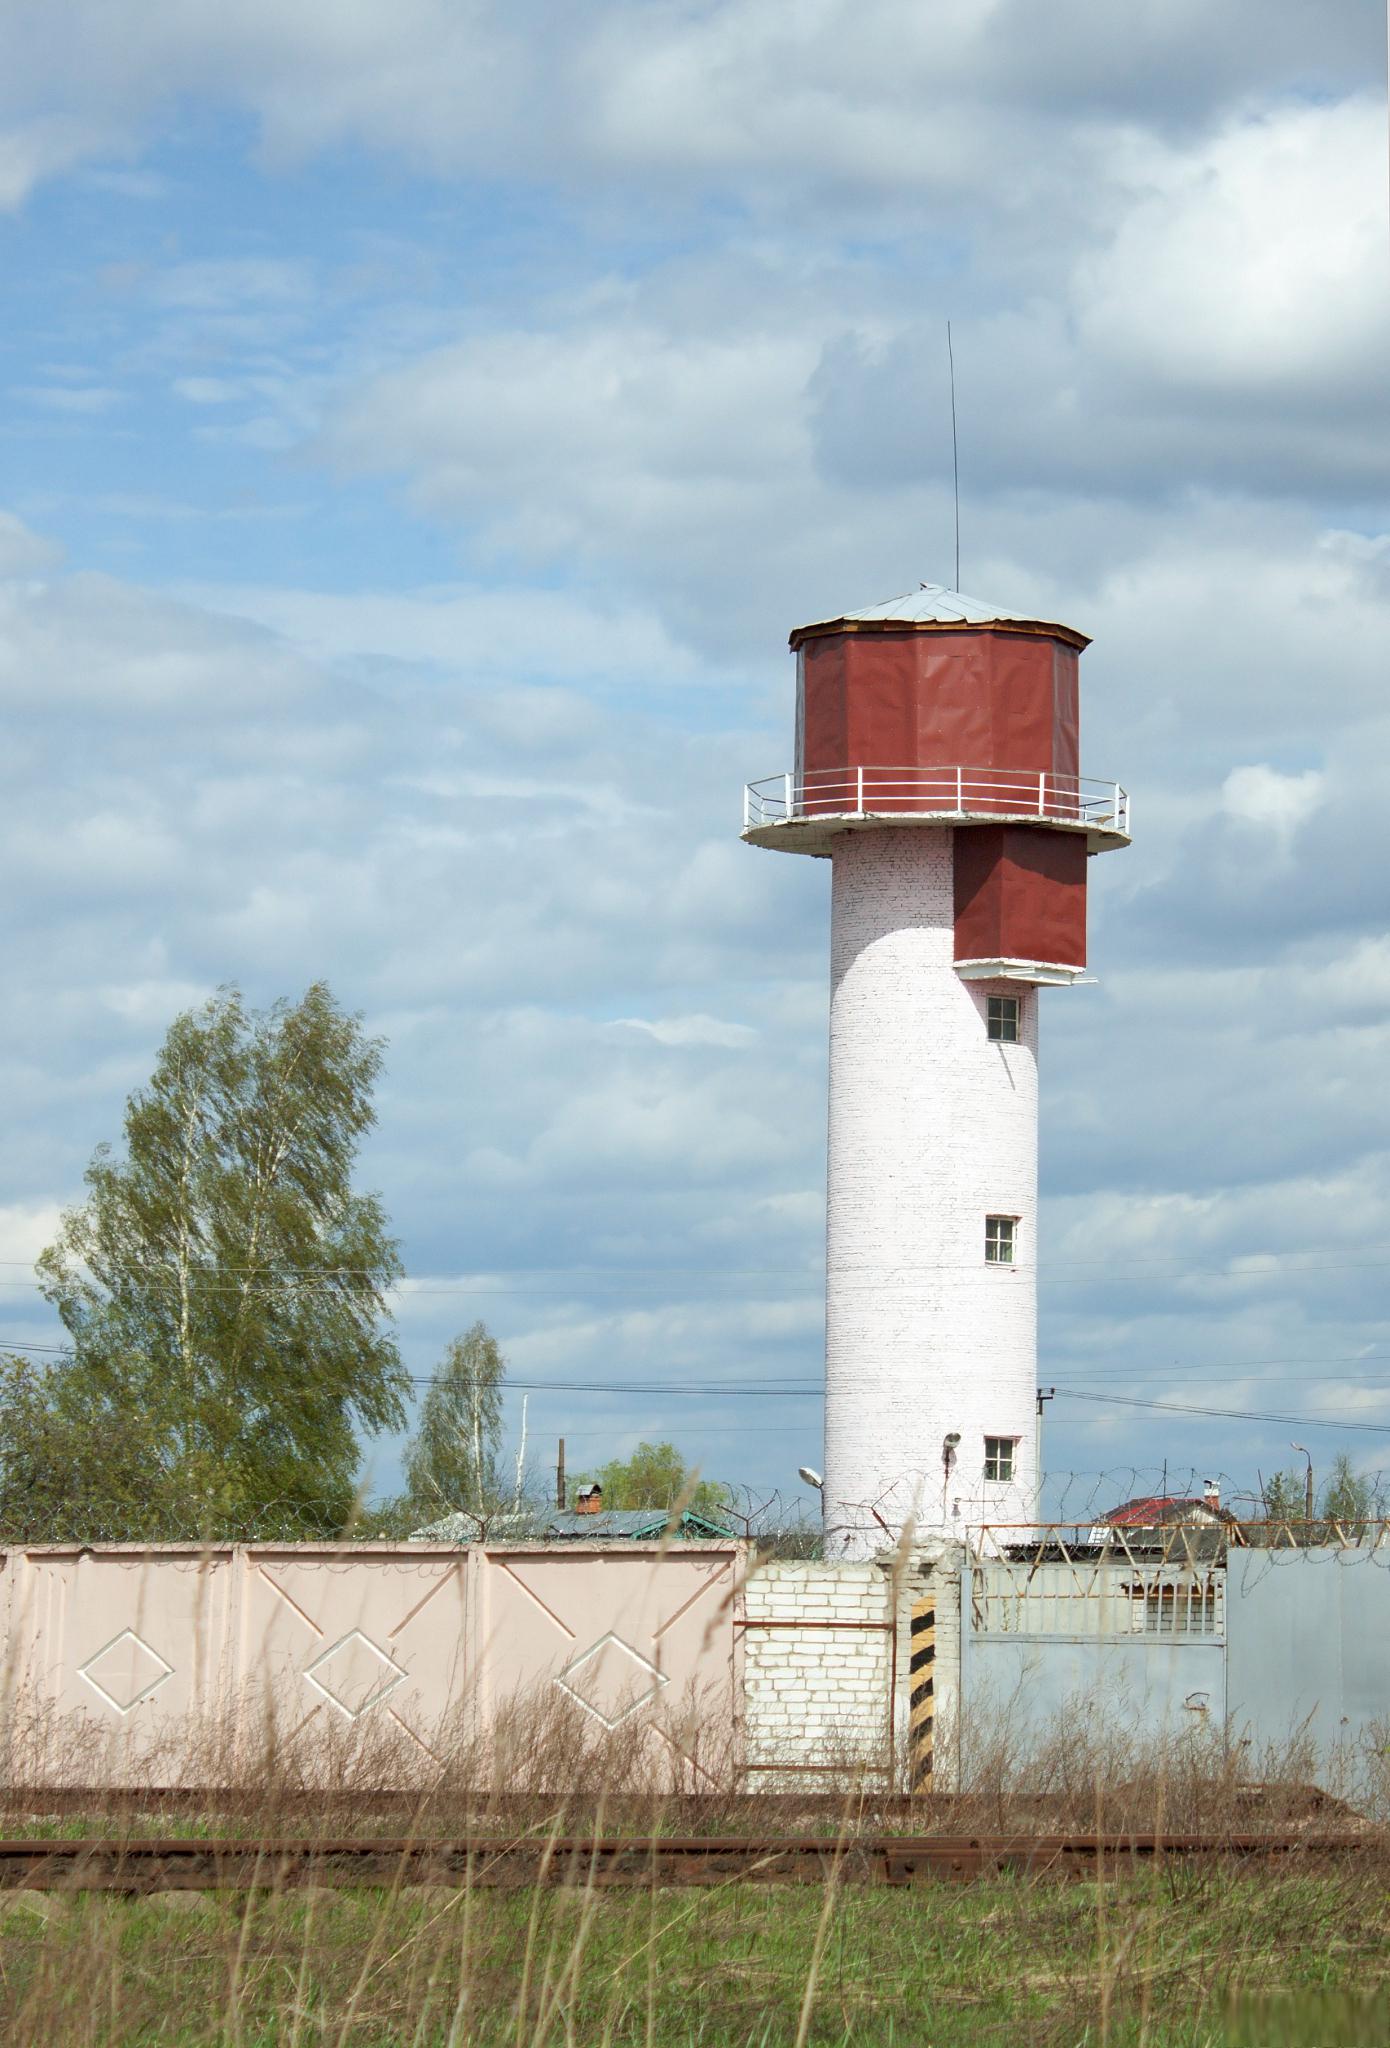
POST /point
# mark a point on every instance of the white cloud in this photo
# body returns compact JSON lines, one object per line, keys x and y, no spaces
{"x":867,"y":97}
{"x":205,"y":390}
{"x":495,"y":630}
{"x":44,"y":146}
{"x":1254,"y":264}
{"x":569,"y":439}
{"x":89,"y":399}
{"x":705,"y":399}
{"x":90,"y":640}
{"x":232,"y":283}
{"x":685,"y":1031}
{"x":150,"y":1004}
{"x":1279,"y":803}
{"x":25,"y":1229}
{"x":23,"y":552}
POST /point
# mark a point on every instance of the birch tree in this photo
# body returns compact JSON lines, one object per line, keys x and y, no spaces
{"x":224,"y":1285}
{"x":453,"y":1459}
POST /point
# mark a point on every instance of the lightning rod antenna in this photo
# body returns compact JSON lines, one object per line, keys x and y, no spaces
{"x":955,"y":448}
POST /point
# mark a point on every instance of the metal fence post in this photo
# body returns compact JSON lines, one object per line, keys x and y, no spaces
{"x":787,"y":793}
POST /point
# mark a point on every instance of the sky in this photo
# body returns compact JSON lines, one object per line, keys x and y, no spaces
{"x":424,"y":420}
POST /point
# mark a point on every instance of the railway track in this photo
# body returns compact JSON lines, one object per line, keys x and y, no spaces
{"x":1275,"y":1807}
{"x":608,"y":1861}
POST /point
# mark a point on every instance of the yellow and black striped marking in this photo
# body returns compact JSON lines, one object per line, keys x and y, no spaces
{"x":922,"y":1698}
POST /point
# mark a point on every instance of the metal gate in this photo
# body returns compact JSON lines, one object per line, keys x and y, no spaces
{"x":1057,"y":1626}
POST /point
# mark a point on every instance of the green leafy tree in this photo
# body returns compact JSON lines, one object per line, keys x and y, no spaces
{"x":224,"y":1285}
{"x":58,"y":1475}
{"x":1348,"y":1499}
{"x":1285,"y":1498}
{"x":1345,"y":1503}
{"x":657,"y":1476}
{"x":452,"y":1461}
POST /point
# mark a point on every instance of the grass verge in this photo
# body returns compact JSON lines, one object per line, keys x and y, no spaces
{"x":1185,"y":1958}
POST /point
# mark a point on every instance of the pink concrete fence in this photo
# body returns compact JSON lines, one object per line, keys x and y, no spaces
{"x":174,"y":1665}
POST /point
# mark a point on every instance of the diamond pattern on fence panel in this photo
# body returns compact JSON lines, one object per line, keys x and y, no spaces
{"x":114,"y":1662}
{"x":363,"y":1647}
{"x":642,"y":1641}
{"x":169,"y":1665}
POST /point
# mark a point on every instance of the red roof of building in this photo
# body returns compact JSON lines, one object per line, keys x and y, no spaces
{"x":1158,"y":1508}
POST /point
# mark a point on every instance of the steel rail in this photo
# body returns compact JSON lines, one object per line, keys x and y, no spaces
{"x":569,"y":1812}
{"x":612,"y":1861}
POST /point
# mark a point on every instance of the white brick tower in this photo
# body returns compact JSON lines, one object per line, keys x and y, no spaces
{"x":936,"y":766}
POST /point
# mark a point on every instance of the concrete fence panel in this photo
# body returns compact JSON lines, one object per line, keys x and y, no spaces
{"x":173,"y":1665}
{"x":375,"y":1641}
{"x":640,"y":1641}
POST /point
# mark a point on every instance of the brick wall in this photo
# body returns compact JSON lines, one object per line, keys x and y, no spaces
{"x":932,"y":1127}
{"x":826,"y":1655}
{"x":817,"y":1671}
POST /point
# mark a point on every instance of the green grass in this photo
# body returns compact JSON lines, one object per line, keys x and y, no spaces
{"x":1192,"y":1959}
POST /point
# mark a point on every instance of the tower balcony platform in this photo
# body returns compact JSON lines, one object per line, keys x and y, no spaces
{"x":807,"y":813}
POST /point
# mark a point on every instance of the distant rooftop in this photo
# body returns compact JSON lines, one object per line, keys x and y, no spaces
{"x":932,"y":604}
{"x":631,"y":1525}
{"x":1154,"y":1511}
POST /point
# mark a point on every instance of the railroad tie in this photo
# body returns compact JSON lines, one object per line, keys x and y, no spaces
{"x":922,"y":1697}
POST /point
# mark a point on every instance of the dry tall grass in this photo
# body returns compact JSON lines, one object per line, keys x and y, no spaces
{"x":1171,"y":1958}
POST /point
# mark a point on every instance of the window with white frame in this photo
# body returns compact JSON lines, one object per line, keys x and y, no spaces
{"x":1001,"y":1238}
{"x":1001,"y":1018}
{"x":999,"y":1457}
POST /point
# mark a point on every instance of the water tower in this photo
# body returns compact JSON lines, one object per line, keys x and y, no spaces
{"x":937,"y":769}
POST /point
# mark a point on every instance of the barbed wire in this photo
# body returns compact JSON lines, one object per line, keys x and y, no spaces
{"x":1066,"y":1499}
{"x":791,"y":1523}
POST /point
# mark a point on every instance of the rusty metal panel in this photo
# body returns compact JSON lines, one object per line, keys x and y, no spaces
{"x":1020,"y":894}
{"x":822,"y":709}
{"x":1066,"y":711}
{"x":1000,"y":701}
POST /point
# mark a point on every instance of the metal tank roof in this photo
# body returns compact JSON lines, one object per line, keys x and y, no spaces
{"x":932,"y":607}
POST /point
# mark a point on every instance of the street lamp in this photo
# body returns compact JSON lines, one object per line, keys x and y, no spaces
{"x":812,"y":1478}
{"x":1308,"y":1483}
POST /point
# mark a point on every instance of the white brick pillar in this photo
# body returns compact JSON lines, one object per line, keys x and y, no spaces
{"x":933,"y":1128}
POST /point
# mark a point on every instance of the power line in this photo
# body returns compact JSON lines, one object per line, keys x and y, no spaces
{"x":1189,"y":1371}
{"x":1275,"y":1262}
{"x":1229,"y":1414}
{"x":789,"y":1387}
{"x":808,"y":1391}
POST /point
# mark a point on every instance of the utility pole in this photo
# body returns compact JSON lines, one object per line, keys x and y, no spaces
{"x":560,"y":1477}
{"x":1308,"y":1482}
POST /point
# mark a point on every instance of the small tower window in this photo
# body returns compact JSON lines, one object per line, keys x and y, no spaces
{"x":1001,"y":1018}
{"x":999,"y":1457}
{"x":1001,"y":1236}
